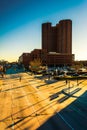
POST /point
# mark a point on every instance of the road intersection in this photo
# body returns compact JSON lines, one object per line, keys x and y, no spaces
{"x":33,"y":103}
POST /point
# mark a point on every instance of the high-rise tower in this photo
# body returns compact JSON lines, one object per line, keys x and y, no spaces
{"x":48,"y":37}
{"x":57,"y":38}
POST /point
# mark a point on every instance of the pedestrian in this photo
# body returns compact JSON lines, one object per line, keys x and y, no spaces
{"x":2,"y":75}
{"x":0,"y":89}
{"x":66,"y":81}
{"x":20,"y":79}
{"x":77,"y":82}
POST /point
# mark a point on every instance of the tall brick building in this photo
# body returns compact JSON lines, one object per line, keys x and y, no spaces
{"x":57,"y":38}
{"x":56,"y":45}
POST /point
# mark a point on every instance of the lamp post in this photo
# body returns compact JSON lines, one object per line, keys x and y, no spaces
{"x":69,"y":87}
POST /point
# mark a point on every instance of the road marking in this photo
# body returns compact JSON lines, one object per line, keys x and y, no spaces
{"x":65,"y":121}
{"x":29,"y":103}
{"x":26,"y":98}
{"x":59,"y":114}
{"x":52,"y":107}
{"x":12,"y":107}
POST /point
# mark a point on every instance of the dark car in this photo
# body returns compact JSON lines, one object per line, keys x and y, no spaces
{"x":75,"y":74}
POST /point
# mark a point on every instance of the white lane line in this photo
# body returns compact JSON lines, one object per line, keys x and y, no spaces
{"x":26,"y":98}
{"x":52,"y":107}
{"x":57,"y":113}
{"x":12,"y":108}
{"x":65,"y":121}
{"x":30,"y":104}
{"x":35,"y":113}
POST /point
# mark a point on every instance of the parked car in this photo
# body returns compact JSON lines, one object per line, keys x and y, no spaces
{"x":75,"y":74}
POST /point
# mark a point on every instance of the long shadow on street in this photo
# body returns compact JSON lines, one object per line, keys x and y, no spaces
{"x":74,"y":116}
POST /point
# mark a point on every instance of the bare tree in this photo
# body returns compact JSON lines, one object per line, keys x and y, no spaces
{"x":35,"y":65}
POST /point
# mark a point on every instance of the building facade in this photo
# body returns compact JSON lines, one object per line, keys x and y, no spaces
{"x":56,"y":45}
{"x":24,"y":59}
{"x":57,"y":38}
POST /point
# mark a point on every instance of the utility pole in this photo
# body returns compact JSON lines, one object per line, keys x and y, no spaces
{"x":69,"y":87}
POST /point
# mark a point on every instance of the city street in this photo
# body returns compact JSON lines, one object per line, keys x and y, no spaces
{"x":43,"y":65}
{"x":29,"y":102}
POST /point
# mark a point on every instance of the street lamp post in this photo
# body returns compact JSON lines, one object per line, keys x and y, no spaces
{"x":69,"y":87}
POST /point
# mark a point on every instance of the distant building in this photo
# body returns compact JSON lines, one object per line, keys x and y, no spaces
{"x":56,"y":45}
{"x":24,"y":59}
{"x":59,"y":59}
{"x":57,"y":38}
{"x":39,"y":54}
{"x":50,"y":59}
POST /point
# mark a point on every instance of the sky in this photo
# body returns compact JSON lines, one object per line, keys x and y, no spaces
{"x":21,"y":20}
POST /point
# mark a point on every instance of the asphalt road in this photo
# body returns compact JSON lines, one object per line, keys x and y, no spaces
{"x":34,"y":104}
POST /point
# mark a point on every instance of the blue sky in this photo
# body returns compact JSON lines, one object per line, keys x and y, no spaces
{"x":20,"y":25}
